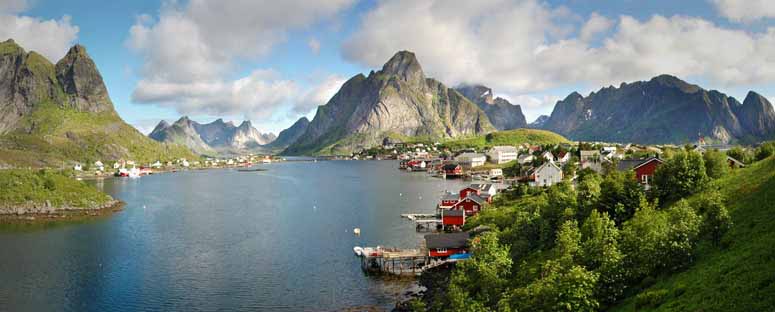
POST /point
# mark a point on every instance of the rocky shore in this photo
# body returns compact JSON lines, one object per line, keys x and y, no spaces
{"x":46,"y":211}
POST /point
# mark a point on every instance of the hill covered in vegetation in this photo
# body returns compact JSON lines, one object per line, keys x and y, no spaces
{"x":54,"y":113}
{"x":699,"y":240}
{"x":25,"y":191}
{"x":507,"y":137}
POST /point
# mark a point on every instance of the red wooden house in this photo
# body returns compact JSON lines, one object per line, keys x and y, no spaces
{"x":449,"y":200}
{"x":644,"y":172}
{"x":452,"y":169}
{"x":446,"y":244}
{"x":453,"y":218}
{"x":468,"y":191}
{"x":471,"y":204}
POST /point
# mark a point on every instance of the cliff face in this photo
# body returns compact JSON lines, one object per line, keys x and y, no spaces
{"x":664,"y":109}
{"x":397,"y":100}
{"x":50,"y":113}
{"x":208,"y":138}
{"x":290,"y":135}
{"x":502,"y":114}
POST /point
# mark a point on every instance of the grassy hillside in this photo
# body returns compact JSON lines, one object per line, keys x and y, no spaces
{"x":739,"y":276}
{"x":52,"y":134}
{"x":21,"y":186}
{"x":508,"y":137}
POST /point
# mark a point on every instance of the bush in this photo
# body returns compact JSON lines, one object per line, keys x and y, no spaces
{"x":765,"y":150}
{"x":716,"y":165}
{"x":680,"y":176}
{"x":650,"y":299}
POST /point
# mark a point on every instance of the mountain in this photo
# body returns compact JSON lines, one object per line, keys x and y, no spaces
{"x":50,"y":113}
{"x":539,"y":122}
{"x":664,"y":109}
{"x":396,"y":101}
{"x":502,"y":114}
{"x":215,"y":137}
{"x":290,"y":135}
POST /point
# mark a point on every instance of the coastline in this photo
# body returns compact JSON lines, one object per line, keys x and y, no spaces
{"x":39,"y":213}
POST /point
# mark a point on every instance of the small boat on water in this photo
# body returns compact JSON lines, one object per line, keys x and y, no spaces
{"x":358,"y":251}
{"x":357,"y":231}
{"x":251,"y":170}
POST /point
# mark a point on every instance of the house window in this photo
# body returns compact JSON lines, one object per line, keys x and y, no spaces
{"x":645,"y":179}
{"x":441,"y":250}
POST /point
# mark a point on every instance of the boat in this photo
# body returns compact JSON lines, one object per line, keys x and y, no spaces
{"x":251,"y":170}
{"x":357,"y":231}
{"x":358,"y":251}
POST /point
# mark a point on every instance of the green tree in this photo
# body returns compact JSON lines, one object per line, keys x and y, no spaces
{"x":716,"y":165}
{"x":765,"y":150}
{"x":600,"y":253}
{"x":560,"y":206}
{"x":478,"y":283}
{"x":716,"y":219}
{"x":680,"y":176}
{"x":588,"y":194}
{"x":740,"y":154}
{"x":620,"y":195}
{"x":560,"y":289}
{"x":569,"y":170}
{"x":568,"y":243}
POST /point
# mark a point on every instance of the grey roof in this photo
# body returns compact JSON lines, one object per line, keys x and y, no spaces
{"x":450,"y":196}
{"x":446,"y":240}
{"x":629,"y":164}
{"x":483,"y":187}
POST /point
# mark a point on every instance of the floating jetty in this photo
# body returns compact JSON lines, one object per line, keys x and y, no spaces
{"x":424,"y":221}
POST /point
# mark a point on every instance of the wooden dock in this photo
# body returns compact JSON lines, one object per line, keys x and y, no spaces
{"x":424,"y":221}
{"x":407,"y":262}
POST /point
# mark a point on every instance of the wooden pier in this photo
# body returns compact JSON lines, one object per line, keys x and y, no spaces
{"x":424,"y":221}
{"x":407,"y":262}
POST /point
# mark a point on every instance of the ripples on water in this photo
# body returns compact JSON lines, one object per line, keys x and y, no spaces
{"x":223,"y":240}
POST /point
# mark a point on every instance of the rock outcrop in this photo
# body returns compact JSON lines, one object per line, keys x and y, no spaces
{"x":502,"y":114}
{"x":397,"y":100}
{"x":290,"y":135}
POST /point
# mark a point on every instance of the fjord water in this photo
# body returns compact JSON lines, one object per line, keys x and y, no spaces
{"x":223,"y":240}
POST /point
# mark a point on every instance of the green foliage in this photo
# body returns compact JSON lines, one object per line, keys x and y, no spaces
{"x":765,"y":151}
{"x":620,"y":195}
{"x":508,"y":137}
{"x":561,"y":289}
{"x":57,"y":134}
{"x":716,"y":165}
{"x":716,"y":219}
{"x":480,"y":281}
{"x":680,"y":176}
{"x":740,"y":154}
{"x":22,"y":187}
{"x":600,"y":253}
{"x":650,"y":299}
{"x":588,"y":194}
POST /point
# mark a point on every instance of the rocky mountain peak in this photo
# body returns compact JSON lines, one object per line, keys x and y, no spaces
{"x":82,"y":83}
{"x":404,"y":64}
{"x":477,"y":92}
{"x":666,"y":80}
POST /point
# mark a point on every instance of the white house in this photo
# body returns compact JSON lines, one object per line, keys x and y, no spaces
{"x":99,"y":166}
{"x":592,"y":160}
{"x":563,"y":157}
{"x":525,"y":158}
{"x":548,"y":174}
{"x":77,"y":167}
{"x":548,"y":156}
{"x":495,"y":173}
{"x":471,"y":160}
{"x":502,"y":154}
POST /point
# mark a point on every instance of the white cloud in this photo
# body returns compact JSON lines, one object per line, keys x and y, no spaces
{"x":595,"y":25}
{"x":51,"y":38}
{"x":190,"y":51}
{"x":319,"y":94}
{"x":255,"y":96}
{"x":13,"y":6}
{"x":314,"y":46}
{"x":745,"y":11}
{"x":522,"y":47}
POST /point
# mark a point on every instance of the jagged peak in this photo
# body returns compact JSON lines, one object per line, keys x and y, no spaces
{"x":246,"y":124}
{"x":573,"y":96}
{"x":11,"y":47}
{"x":405,"y":65}
{"x":183,"y":120}
{"x":673,"y":81}
{"x":753,"y":98}
{"x":163,"y":124}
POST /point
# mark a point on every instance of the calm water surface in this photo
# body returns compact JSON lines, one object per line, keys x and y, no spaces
{"x":223,"y":240}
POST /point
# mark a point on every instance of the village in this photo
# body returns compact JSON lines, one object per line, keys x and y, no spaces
{"x":134,"y":169}
{"x":493,"y":171}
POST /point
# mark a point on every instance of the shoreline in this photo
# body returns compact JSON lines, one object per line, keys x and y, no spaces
{"x":59,"y":214}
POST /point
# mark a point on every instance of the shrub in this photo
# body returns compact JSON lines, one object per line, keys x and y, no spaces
{"x":650,"y":299}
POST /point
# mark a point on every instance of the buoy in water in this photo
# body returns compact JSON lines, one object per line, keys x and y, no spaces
{"x":357,"y":231}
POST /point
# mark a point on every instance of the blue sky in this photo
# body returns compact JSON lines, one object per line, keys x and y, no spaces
{"x":260,"y":61}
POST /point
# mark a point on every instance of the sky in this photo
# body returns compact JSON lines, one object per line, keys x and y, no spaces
{"x":273,"y":62}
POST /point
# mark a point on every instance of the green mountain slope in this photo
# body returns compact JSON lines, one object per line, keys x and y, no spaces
{"x":51,"y":114}
{"x":740,"y":276}
{"x":508,"y":137}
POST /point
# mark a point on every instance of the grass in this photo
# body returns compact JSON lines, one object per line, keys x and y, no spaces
{"x":739,"y":275}
{"x":51,"y":135}
{"x":21,"y":186}
{"x":507,"y":137}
